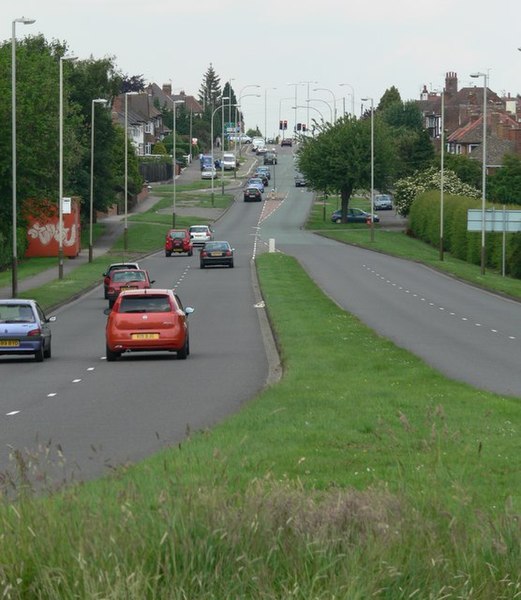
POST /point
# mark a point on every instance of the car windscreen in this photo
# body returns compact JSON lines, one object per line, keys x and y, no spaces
{"x":128,"y":276}
{"x":16,"y":313}
{"x":144,"y":304}
{"x":177,"y":235}
{"x":216,"y":246}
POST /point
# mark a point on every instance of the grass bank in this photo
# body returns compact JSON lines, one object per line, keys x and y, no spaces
{"x":387,"y":481}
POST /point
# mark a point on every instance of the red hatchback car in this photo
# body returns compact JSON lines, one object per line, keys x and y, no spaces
{"x":127,"y":279}
{"x":178,"y":241}
{"x":147,"y":321}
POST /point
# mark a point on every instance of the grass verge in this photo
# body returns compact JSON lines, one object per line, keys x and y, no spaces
{"x":385,"y":481}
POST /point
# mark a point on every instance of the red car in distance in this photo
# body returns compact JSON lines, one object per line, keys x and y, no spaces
{"x":129,"y":279}
{"x":147,"y":321}
{"x":178,"y":241}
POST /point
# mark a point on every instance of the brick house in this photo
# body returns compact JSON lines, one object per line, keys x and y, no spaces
{"x":464,"y":124}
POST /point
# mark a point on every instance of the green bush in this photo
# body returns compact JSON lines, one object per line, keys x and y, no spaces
{"x":424,"y":223}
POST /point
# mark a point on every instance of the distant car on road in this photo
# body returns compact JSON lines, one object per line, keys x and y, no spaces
{"x":252,"y":194}
{"x":354,"y":215}
{"x":113,"y":267}
{"x":270,"y":158}
{"x":130,"y":279}
{"x":263,"y":169}
{"x":300,"y":180}
{"x":216,"y":253}
{"x":383,"y":202}
{"x":24,"y":329}
{"x":178,"y":241}
{"x":147,"y":321}
{"x":208,"y":172}
{"x":286,"y":142}
{"x":200,"y":234}
{"x":255,"y":182}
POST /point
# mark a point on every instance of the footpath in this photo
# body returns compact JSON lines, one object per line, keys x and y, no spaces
{"x":114,"y":226}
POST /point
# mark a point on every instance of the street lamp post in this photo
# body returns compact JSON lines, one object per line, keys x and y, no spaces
{"x":91,"y":203}
{"x":372,"y":166}
{"x":125,"y":220}
{"x":14,"y":272}
{"x":241,"y":95}
{"x":266,"y":111}
{"x":442,"y":169}
{"x":326,"y":103}
{"x":174,"y":159}
{"x":60,"y":191}
{"x":352,"y":96}
{"x":484,"y":168}
{"x":321,"y":89}
{"x":295,"y":107}
{"x":221,"y":107}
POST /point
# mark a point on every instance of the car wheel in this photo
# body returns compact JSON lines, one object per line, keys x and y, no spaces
{"x":202,"y":265}
{"x":112,"y":356}
{"x":190,"y":253}
{"x":105,"y":294}
{"x":183,"y":352}
{"x":168,"y":254}
{"x":39,"y":354}
{"x":111,"y":303}
{"x":230,"y":264}
{"x":47,"y":352}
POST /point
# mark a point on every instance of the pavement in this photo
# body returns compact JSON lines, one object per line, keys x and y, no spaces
{"x":114,"y":227}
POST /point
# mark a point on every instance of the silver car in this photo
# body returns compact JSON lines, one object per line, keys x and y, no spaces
{"x":200,"y":234}
{"x":24,"y":329}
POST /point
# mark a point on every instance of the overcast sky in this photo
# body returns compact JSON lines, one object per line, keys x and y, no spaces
{"x":368,"y":45}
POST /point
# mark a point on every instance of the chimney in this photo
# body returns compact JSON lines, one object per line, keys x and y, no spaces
{"x":167,"y":89}
{"x":451,"y":83}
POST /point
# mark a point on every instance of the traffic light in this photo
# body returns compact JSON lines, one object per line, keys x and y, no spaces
{"x":304,"y":127}
{"x":285,"y":124}
{"x":299,"y":126}
{"x":281,"y":125}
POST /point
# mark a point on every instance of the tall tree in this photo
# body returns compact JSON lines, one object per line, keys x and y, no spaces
{"x":390,"y":96}
{"x":210,"y":90}
{"x":338,"y":160}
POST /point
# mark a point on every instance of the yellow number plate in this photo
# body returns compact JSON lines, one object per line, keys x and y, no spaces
{"x":215,"y":253}
{"x":10,"y":343}
{"x":145,"y":336}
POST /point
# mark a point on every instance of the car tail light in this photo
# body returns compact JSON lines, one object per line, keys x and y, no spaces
{"x":204,"y":253}
{"x":228,"y":252}
{"x":36,"y":331}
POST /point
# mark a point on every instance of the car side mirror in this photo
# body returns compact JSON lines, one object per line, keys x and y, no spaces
{"x":104,"y":274}
{"x":107,"y":311}
{"x":51,"y":319}
{"x":189,"y":310}
{"x":152,"y":281}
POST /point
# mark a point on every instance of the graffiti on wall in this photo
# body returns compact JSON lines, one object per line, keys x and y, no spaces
{"x":51,"y":231}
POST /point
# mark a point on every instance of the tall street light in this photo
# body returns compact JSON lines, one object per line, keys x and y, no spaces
{"x":312,"y":108}
{"x":352,"y":96}
{"x":324,"y":102}
{"x":295,"y":107}
{"x":91,"y":204}
{"x":484,"y":167}
{"x":372,"y":165}
{"x":14,"y":272}
{"x":442,"y":169}
{"x":322,"y":89}
{"x":307,"y":98}
{"x":221,"y":107}
{"x":241,"y":95}
{"x":60,"y":192}
{"x":125,"y":229}
{"x":174,"y":159}
{"x":266,"y":111}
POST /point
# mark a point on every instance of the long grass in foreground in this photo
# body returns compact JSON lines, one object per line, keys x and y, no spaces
{"x":363,"y":473}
